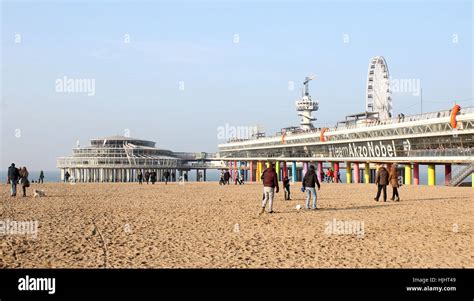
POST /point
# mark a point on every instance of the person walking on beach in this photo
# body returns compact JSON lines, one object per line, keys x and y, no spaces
{"x":41,"y":177}
{"x":66,"y":176}
{"x":186,"y":176}
{"x":226,"y":177}
{"x":393,"y":179}
{"x":167,"y":177}
{"x":153,"y":177}
{"x":240,"y":178}
{"x":13,"y":175}
{"x":24,"y":180}
{"x":330,"y":175}
{"x":310,"y":180}
{"x":147,"y":176}
{"x":286,"y":186}
{"x":221,"y":179}
{"x":381,"y":180}
{"x":270,"y":183}
{"x":140,"y":177}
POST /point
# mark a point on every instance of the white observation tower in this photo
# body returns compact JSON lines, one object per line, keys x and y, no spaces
{"x":305,"y":106}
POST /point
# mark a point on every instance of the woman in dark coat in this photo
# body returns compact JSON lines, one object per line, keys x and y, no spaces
{"x":24,"y":179}
{"x":393,"y":179}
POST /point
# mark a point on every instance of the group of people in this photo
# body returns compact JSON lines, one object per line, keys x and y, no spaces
{"x":383,"y":178}
{"x":269,"y":178}
{"x":18,"y":176}
{"x":331,"y":176}
{"x":151,"y":176}
{"x":270,"y":187}
{"x":310,"y":181}
{"x":225,"y":178}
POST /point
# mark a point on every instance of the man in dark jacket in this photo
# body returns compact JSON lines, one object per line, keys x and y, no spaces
{"x":270,"y":182}
{"x":226,"y":177}
{"x":153,"y":177}
{"x":13,"y":175}
{"x":381,"y":180}
{"x":310,"y":180}
{"x":147,"y":176}
{"x":167,"y":177}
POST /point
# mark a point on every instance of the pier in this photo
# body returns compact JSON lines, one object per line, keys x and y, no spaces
{"x":119,"y":159}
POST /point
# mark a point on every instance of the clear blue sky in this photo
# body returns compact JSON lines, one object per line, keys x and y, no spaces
{"x":137,"y":84}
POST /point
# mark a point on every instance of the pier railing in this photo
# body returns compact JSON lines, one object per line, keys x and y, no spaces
{"x":454,"y":152}
{"x":402,"y":119}
{"x":372,"y":123}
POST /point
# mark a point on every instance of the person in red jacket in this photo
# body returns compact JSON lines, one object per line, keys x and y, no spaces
{"x":270,"y":183}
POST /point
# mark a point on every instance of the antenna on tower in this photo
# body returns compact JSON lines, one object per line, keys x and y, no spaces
{"x":306,"y":84}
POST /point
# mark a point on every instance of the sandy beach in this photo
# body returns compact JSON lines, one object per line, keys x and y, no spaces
{"x":205,"y":225}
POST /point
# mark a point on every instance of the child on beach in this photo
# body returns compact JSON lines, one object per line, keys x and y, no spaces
{"x":286,"y":185}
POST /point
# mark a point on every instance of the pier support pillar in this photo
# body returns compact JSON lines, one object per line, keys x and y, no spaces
{"x":356,"y":173}
{"x":258,"y":174}
{"x":293,"y":171}
{"x":320,"y":171}
{"x":336,"y":170}
{"x":277,"y":169}
{"x":251,"y":171}
{"x":472,"y":179}
{"x":235,"y":170}
{"x":416,"y":174}
{"x":407,"y":174}
{"x":367,"y":173}
{"x":205,"y":176}
{"x":348,"y":172}
{"x":447,"y":174}
{"x":285,"y":170}
{"x":305,"y":169}
{"x":431,"y":175}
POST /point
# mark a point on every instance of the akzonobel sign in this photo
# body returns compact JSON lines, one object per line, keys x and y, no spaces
{"x":365,"y":149}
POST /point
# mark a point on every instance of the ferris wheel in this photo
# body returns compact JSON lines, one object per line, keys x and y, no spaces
{"x":378,"y":97}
